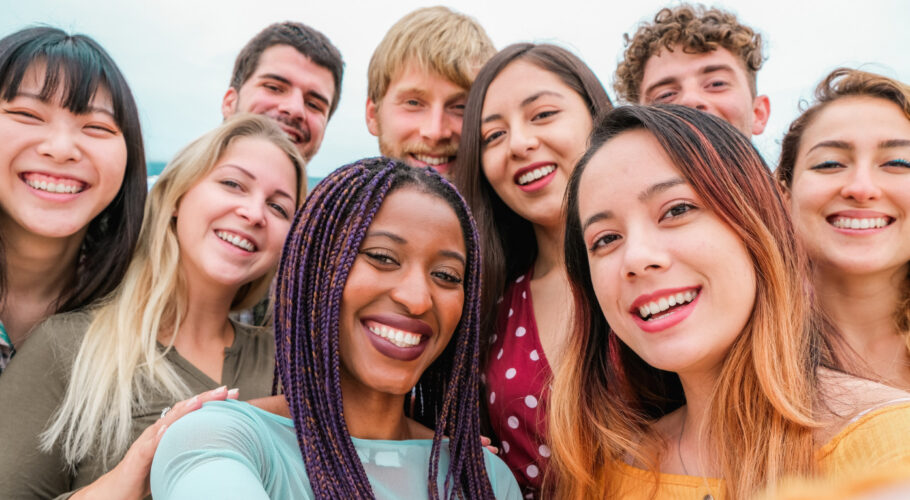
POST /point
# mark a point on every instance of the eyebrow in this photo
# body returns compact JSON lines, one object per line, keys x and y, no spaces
{"x":526,"y":101}
{"x":711,"y":68}
{"x":88,"y":109}
{"x":645,"y":195}
{"x":279,"y":78}
{"x":253,"y":177}
{"x":401,"y":241}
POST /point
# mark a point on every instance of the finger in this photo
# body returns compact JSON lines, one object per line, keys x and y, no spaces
{"x":492,"y":449}
{"x":485,"y":441}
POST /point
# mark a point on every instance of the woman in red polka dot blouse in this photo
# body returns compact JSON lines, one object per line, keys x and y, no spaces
{"x":526,"y":124}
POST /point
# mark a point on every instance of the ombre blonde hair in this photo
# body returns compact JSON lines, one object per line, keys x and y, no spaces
{"x":436,"y":39}
{"x":761,"y":413}
{"x":119,"y":362}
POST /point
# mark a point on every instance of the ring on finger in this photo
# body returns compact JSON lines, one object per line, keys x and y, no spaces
{"x":164,"y":411}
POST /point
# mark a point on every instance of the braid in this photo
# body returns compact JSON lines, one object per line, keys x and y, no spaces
{"x":318,"y":255}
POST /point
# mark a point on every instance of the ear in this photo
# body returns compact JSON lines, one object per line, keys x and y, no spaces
{"x":761,"y":111}
{"x":229,"y":103}
{"x":784,"y":191}
{"x":372,"y":118}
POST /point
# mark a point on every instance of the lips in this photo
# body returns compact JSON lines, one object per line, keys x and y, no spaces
{"x":53,"y":184}
{"x":535,"y":176}
{"x":859,"y":221}
{"x":662,"y":309}
{"x":441,"y":163}
{"x":396,"y":336}
{"x":238,"y":240}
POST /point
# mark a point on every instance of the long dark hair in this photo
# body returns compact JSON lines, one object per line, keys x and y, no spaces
{"x":78,"y":67}
{"x":509,"y":244}
{"x":318,"y":255}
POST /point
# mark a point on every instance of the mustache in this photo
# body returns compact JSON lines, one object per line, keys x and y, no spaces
{"x":296,"y":124}
{"x":420,"y":148}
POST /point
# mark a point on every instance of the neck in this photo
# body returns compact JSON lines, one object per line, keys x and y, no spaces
{"x":689,"y":433}
{"x":862,"y":307}
{"x":549,"y":250}
{"x":373,"y":415}
{"x":37,"y":271}
{"x":205,"y":320}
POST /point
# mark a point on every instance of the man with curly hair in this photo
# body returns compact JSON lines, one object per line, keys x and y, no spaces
{"x":701,"y":58}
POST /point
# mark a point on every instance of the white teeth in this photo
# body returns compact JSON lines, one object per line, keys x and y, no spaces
{"x":51,"y":187}
{"x":237,"y":241}
{"x":651,"y":309}
{"x":432,"y":160}
{"x":535,"y":174}
{"x":395,"y":336}
{"x":850,"y":223}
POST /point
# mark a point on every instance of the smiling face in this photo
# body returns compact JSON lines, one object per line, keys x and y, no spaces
{"x":418,"y":121}
{"x":850,"y":194}
{"x":404,"y":294}
{"x":231,"y":224}
{"x":534,"y":128}
{"x":714,"y":82}
{"x":291,"y":89}
{"x":58,"y":170}
{"x":674,"y":282}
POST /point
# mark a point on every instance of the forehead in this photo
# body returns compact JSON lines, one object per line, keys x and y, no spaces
{"x":413,"y":77}
{"x":856,"y":117}
{"x":518,"y":80}
{"x":622,"y":168}
{"x":34,"y":81}
{"x":287,"y":62}
{"x":681,"y":64}
{"x":420,"y":217}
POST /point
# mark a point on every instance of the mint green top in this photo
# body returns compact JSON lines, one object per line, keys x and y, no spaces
{"x":6,"y":348}
{"x":232,"y":449}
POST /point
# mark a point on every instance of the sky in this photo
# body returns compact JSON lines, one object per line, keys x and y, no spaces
{"x":177,"y":55}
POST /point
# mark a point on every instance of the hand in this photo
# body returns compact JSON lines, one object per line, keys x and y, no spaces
{"x":130,"y":478}
{"x":488,"y":444}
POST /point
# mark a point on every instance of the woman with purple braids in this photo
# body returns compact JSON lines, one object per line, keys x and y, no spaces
{"x":377,"y":350}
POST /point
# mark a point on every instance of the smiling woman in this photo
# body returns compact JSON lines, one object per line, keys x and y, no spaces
{"x":72,"y":178}
{"x":377,"y":349}
{"x":699,"y":367}
{"x":87,"y":384}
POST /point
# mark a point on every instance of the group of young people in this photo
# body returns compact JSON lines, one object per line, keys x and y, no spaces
{"x":531,"y":294}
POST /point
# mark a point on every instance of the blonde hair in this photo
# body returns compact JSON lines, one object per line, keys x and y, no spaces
{"x":436,"y":39}
{"x":605,"y":398}
{"x":118,"y":360}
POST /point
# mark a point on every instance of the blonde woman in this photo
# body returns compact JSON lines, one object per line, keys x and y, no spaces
{"x":88,"y":383}
{"x":699,"y":368}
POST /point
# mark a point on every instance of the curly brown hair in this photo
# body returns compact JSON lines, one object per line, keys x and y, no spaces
{"x":698,"y":30}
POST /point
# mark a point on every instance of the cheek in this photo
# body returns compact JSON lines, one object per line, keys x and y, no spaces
{"x":605,"y":281}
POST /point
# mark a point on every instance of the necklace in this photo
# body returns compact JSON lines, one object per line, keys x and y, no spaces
{"x":682,"y":430}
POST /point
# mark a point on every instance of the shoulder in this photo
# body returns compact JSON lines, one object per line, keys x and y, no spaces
{"x":501,"y":479}
{"x":843,"y":398}
{"x":64,"y":331}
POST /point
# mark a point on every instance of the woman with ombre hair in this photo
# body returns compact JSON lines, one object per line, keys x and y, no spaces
{"x":699,"y":365}
{"x":845,"y":167}
{"x":89,"y":384}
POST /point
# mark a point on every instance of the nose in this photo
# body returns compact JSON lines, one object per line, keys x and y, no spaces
{"x":413,"y":292}
{"x":861,"y":185}
{"x":436,"y":126}
{"x":692,"y":98}
{"x":252,"y":209}
{"x":644,"y":254}
{"x":60,"y":145}
{"x":522,"y":141}
{"x":292,"y":105}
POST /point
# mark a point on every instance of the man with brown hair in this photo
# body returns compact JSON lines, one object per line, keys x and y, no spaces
{"x":701,"y":58}
{"x":291,"y":73}
{"x":419,"y":77}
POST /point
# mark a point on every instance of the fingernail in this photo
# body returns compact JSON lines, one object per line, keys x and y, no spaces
{"x":161,"y":430}
{"x":221,"y":389}
{"x":233,"y":393}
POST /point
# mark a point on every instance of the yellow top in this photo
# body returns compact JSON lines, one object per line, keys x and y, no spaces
{"x":880,"y":437}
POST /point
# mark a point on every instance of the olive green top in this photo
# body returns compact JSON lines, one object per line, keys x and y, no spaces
{"x":33,"y":385}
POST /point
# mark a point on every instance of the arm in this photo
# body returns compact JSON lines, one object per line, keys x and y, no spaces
{"x":30,"y":389}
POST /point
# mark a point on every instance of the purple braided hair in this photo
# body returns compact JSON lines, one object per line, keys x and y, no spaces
{"x":317,"y":257}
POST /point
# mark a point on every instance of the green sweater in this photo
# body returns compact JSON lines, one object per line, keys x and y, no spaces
{"x":35,"y":382}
